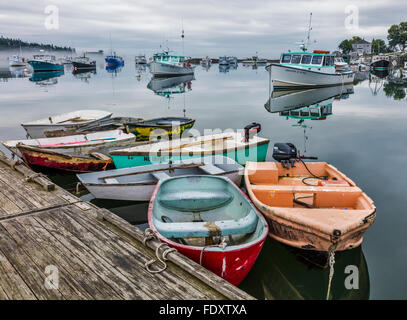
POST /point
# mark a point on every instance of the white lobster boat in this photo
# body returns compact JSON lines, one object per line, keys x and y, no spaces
{"x":164,"y":64}
{"x":308,"y":69}
{"x":68,"y":121}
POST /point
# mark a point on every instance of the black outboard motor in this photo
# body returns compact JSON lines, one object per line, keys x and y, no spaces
{"x":287,"y":154}
{"x":250,"y":130}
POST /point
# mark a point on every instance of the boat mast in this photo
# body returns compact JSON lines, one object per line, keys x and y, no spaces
{"x":306,"y":44}
{"x":182,"y":35}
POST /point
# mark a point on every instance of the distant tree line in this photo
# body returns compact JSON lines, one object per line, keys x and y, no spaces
{"x":8,"y":43}
{"x":396,"y":35}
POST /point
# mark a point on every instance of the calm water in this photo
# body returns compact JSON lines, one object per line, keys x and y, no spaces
{"x":364,"y":137}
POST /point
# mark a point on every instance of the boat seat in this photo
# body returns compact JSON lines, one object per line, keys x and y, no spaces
{"x":195,"y":201}
{"x":244,"y":225}
{"x":111,"y":181}
{"x":283,"y":195}
{"x":211,"y":169}
{"x":160,"y":175}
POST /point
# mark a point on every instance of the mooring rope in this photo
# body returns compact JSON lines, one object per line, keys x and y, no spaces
{"x":331,"y":258}
{"x":222,"y":245}
{"x":150,"y":235}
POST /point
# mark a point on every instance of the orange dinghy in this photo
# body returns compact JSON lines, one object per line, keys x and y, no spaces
{"x":311,"y":206}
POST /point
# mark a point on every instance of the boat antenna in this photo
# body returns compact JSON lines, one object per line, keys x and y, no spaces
{"x":182,"y":35}
{"x":306,"y":43}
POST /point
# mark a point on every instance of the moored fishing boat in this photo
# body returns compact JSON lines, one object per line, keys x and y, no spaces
{"x":160,"y":127}
{"x":76,"y":143}
{"x":209,"y":220}
{"x":141,"y":59}
{"x":114,"y":61}
{"x":83,"y":63}
{"x":45,"y":63}
{"x":308,"y":69}
{"x":16,"y":61}
{"x":341,"y":64}
{"x":223,"y":61}
{"x":236,"y":145}
{"x":164,"y":64}
{"x":67,"y":121}
{"x":138,"y":183}
{"x":310,"y":206}
{"x":47,"y":159}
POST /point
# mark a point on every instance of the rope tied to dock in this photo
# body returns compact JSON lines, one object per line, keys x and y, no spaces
{"x":150,"y":235}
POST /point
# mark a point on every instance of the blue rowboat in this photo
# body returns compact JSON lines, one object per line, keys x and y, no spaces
{"x":233,"y":145}
{"x":211,"y":221}
{"x":45,"y":63}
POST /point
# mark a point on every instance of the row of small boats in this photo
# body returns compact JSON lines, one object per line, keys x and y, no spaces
{"x":193,"y":186}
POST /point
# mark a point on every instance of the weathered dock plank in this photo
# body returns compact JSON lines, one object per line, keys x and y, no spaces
{"x":97,"y":254}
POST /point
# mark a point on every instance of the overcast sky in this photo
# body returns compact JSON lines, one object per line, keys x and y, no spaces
{"x":212,"y":27}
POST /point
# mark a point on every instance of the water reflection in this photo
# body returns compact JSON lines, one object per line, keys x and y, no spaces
{"x":44,"y":79}
{"x":279,"y":273}
{"x":166,"y":87}
{"x":14,"y":72}
{"x":83,"y":75}
{"x":114,"y":69}
{"x":282,"y":100}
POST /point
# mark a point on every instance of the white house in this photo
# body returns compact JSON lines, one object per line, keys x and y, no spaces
{"x":362,"y":47}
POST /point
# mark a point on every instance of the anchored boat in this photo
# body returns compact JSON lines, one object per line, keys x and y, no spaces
{"x":308,"y":69}
{"x":235,"y":145}
{"x":138,"y":183}
{"x":160,"y":127}
{"x":16,"y":61}
{"x":164,"y":64}
{"x":45,"y":63}
{"x":83,"y":63}
{"x":76,"y":143}
{"x":67,"y":121}
{"x":141,"y":59}
{"x":380,"y":62}
{"x":47,"y":159}
{"x":209,"y":220}
{"x":310,"y":206}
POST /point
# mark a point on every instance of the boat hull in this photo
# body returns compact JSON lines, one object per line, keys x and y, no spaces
{"x":42,"y":130}
{"x":162,"y":69}
{"x":380,"y":64}
{"x":256,"y":153}
{"x":83,"y":66}
{"x":62,"y":162}
{"x":145,"y":132}
{"x":42,"y":66}
{"x":323,"y":226}
{"x":230,"y":263}
{"x":289,"y":77}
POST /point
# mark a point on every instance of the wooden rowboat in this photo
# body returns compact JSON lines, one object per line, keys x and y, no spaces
{"x":138,"y":183}
{"x":324,"y":214}
{"x":77,"y":143}
{"x":160,"y":127}
{"x":229,"y":144}
{"x":43,"y":158}
{"x":209,"y":220}
{"x":67,"y":121}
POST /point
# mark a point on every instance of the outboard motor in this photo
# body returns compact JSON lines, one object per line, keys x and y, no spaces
{"x":287,"y":154}
{"x":250,"y":130}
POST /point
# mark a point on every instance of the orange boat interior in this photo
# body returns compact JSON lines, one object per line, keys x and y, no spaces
{"x":315,"y":185}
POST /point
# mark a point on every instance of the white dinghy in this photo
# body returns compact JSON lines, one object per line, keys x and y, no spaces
{"x":67,"y":121}
{"x":138,"y":183}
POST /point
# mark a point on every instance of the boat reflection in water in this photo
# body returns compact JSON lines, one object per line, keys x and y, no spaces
{"x":46,"y":78}
{"x":279,"y":273}
{"x":83,"y":75}
{"x":166,"y":87}
{"x":113,"y":69}
{"x":290,"y":100}
{"x":377,"y":80}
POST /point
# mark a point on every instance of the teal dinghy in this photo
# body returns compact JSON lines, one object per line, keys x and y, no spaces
{"x":211,"y":221}
{"x":235,"y":145}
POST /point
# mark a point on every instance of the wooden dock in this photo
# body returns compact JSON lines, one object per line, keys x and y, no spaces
{"x":55,"y":246}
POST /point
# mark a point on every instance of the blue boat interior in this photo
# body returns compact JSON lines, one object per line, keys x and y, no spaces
{"x":205,"y":210}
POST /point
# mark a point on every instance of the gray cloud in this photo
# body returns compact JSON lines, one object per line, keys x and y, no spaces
{"x":212,"y":27}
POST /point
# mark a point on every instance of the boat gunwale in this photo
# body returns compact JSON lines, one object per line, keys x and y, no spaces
{"x":336,"y":74}
{"x":143,"y":123}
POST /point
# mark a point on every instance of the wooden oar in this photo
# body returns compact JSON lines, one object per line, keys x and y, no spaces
{"x":195,"y":143}
{"x":182,"y":166}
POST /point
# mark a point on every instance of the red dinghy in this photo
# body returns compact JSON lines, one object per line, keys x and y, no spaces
{"x":211,"y":221}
